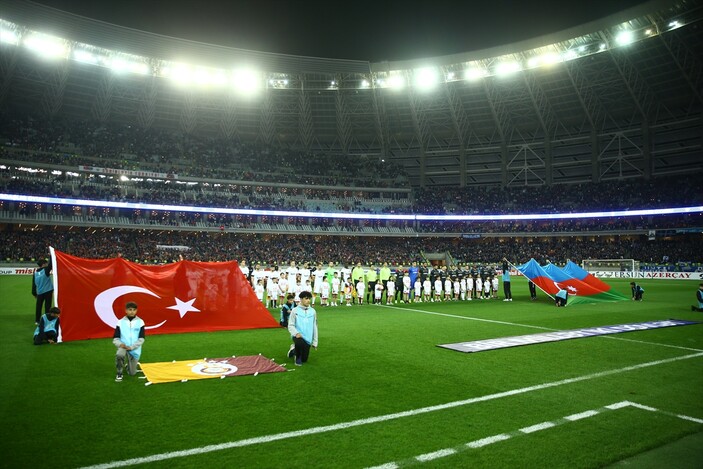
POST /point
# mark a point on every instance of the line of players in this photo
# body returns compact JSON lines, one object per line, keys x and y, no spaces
{"x":334,"y":286}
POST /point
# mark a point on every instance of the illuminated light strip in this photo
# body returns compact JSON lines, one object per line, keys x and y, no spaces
{"x":345,"y":215}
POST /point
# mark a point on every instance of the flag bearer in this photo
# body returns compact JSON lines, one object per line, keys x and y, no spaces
{"x":128,"y":338}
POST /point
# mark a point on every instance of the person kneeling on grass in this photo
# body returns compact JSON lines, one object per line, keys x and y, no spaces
{"x":128,"y":338}
{"x":48,"y":329}
{"x":637,"y":291}
{"x":560,"y":298}
{"x":302,"y":325}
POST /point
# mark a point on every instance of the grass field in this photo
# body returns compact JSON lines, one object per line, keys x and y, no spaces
{"x":377,"y":392}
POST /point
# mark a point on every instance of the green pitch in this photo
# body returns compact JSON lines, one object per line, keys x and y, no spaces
{"x":377,"y":392}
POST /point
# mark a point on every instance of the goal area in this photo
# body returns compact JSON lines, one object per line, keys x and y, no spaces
{"x":611,"y":265}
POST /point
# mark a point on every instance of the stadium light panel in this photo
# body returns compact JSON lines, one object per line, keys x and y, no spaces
{"x":207,"y":76}
{"x":674,"y":24}
{"x":139,"y":68}
{"x":83,"y":56}
{"x":49,"y":47}
{"x":569,"y":55}
{"x":426,"y":78}
{"x":119,"y":65}
{"x":365,"y":84}
{"x":247,"y":80}
{"x":8,"y":36}
{"x":181,"y":74}
{"x":507,"y":68}
{"x":475,"y":73}
{"x":625,"y":38}
{"x":396,"y":81}
{"x":544,"y":59}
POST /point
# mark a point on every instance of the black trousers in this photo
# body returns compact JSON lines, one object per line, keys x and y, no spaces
{"x":302,"y":349}
{"x":370,"y":292}
{"x":43,"y":299}
{"x":45,"y":337}
{"x":506,"y":290}
{"x":533,"y":290}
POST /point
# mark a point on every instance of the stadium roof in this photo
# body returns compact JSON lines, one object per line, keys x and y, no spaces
{"x":362,"y":30}
{"x":615,"y":98}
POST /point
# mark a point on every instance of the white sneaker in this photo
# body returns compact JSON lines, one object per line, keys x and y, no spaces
{"x":506,"y":299}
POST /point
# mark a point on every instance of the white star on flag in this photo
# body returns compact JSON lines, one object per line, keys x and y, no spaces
{"x":571,"y":289}
{"x":184,"y":307}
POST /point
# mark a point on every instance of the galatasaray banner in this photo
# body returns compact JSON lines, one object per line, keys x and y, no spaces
{"x":168,"y":372}
{"x":173,"y":298}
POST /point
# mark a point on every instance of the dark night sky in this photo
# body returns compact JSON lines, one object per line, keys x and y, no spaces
{"x":358,"y":29}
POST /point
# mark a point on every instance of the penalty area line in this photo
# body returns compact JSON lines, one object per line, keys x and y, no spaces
{"x":382,"y":418}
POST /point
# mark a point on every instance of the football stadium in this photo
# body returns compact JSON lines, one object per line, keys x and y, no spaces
{"x":489,"y":258}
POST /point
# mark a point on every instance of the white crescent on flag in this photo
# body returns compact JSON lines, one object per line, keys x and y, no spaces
{"x":104,"y":303}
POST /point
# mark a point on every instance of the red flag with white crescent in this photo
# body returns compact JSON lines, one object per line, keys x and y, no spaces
{"x":181,"y":297}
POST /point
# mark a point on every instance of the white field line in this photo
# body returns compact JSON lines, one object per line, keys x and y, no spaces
{"x":523,"y":431}
{"x":506,"y":323}
{"x":383,"y":418}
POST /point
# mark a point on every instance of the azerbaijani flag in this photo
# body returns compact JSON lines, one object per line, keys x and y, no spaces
{"x":572,"y":269}
{"x":551,"y":279}
{"x":532,"y":270}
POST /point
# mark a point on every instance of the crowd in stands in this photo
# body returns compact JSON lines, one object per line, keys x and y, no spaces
{"x":73,"y":143}
{"x":632,"y":194}
{"x":248,"y":176}
{"x":152,"y":247}
{"x":21,"y":181}
{"x":69,"y":143}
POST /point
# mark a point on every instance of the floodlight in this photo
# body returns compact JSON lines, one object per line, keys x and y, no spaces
{"x":180,"y":73}
{"x":46,"y":46}
{"x":140,"y":68}
{"x":247,"y":80}
{"x":8,"y":36}
{"x":207,"y":76}
{"x":396,"y":81}
{"x":365,"y":84}
{"x":624,"y":38}
{"x":507,"y":68}
{"x":83,"y":56}
{"x":426,"y":78}
{"x":118,"y":65}
{"x":569,"y":55}
{"x":544,"y":59}
{"x":124,"y":178}
{"x":674,"y":24}
{"x":475,"y":73}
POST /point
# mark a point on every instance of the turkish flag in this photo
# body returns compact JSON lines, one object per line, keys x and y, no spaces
{"x":173,"y":298}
